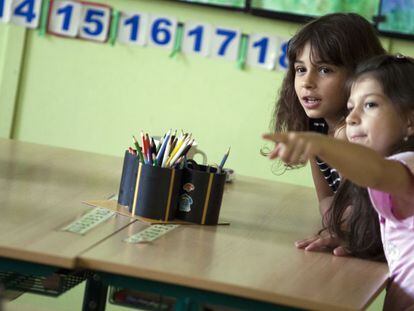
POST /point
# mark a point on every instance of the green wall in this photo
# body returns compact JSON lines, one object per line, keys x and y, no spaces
{"x":93,"y":96}
{"x":11,"y":57}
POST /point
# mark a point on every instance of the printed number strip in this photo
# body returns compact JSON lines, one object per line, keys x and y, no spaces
{"x":89,"y":220}
{"x":92,"y":21}
{"x":150,"y":234}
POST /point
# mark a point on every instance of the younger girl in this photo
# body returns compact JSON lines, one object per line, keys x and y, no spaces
{"x":380,"y":123}
{"x":322,"y":55}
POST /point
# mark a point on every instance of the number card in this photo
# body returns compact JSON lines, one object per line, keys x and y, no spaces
{"x":162,"y":31}
{"x":95,"y":21}
{"x":89,"y":221}
{"x":65,"y":17}
{"x":150,"y":234}
{"x":262,"y":51}
{"x":197,"y":38}
{"x":225,"y":43}
{"x":283,"y":62}
{"x":5,"y":10}
{"x":133,"y":28}
{"x":26,"y":13}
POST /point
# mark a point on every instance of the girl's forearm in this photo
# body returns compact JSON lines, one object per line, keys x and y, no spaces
{"x":358,"y":163}
{"x":355,"y":162}
{"x":364,"y":166}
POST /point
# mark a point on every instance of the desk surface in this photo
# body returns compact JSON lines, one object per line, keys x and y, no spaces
{"x":41,"y":190}
{"x":254,"y":257}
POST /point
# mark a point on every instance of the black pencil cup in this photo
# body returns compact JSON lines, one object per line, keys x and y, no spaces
{"x":128,"y":178}
{"x":201,"y":194}
{"x":156,"y":192}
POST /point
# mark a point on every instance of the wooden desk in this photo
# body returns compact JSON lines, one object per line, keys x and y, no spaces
{"x":253,"y":258}
{"x":41,"y":190}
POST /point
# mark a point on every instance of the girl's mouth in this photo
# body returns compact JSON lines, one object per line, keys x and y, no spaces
{"x":357,"y":137}
{"x":311,"y":102}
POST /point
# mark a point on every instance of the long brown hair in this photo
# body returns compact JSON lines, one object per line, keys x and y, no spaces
{"x":341,"y":39}
{"x":352,"y":217}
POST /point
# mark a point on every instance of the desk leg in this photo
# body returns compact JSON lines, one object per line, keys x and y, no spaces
{"x":94,"y":298}
{"x":1,"y":297}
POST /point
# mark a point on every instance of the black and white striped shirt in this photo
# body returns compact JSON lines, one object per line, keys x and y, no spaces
{"x":331,"y":175}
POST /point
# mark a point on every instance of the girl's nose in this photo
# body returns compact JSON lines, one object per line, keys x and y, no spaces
{"x":352,"y":117}
{"x":308,"y":81}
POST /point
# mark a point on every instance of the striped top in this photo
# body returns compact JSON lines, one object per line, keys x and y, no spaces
{"x":331,"y":175}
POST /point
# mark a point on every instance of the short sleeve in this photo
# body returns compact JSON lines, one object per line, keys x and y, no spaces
{"x":382,"y":201}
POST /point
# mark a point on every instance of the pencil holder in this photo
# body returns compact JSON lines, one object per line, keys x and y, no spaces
{"x":201,"y":194}
{"x":128,"y":178}
{"x":156,"y":192}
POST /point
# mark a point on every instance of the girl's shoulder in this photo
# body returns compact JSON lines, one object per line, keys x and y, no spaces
{"x":406,"y":158}
{"x":398,"y":209}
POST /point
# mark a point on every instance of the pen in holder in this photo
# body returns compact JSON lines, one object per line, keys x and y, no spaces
{"x":128,"y":178}
{"x":156,"y":192}
{"x":201,"y":194}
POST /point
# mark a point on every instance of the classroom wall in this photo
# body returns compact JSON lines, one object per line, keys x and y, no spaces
{"x":93,"y":97}
{"x":11,"y":56}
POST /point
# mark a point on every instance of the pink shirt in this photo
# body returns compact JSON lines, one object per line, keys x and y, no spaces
{"x":398,"y":240}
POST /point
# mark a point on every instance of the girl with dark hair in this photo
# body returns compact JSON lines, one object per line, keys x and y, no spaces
{"x":378,"y":165}
{"x":322,"y":55}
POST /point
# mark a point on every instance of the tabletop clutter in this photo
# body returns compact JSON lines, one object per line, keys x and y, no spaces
{"x":159,"y":182}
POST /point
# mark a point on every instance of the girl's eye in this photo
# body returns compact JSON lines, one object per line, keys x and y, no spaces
{"x":300,"y":69}
{"x":349,"y":110}
{"x":324,"y":70}
{"x":370,"y":105}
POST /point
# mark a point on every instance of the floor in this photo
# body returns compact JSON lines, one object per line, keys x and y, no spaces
{"x":72,"y":301}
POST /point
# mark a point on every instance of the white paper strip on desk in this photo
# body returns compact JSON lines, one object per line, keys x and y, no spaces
{"x":150,"y":234}
{"x":89,"y":220}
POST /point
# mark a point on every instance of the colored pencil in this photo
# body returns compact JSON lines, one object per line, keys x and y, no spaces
{"x":160,"y":154}
{"x":139,"y":151}
{"x":223,"y":161}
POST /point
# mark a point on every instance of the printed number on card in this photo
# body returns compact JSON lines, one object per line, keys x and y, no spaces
{"x":262,"y":51}
{"x":5,"y":10}
{"x":162,"y":31}
{"x":226,"y":43}
{"x":197,"y":38}
{"x":94,"y":23}
{"x":282,"y":59}
{"x":132,"y":28}
{"x":65,"y":18}
{"x":26,"y":12}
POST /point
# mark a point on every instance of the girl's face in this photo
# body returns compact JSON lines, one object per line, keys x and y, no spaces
{"x":372,"y":120}
{"x":320,"y":87}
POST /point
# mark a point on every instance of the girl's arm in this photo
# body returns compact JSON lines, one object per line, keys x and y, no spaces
{"x":360,"y":164}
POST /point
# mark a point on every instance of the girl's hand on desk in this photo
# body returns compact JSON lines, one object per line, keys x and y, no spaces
{"x":322,"y":243}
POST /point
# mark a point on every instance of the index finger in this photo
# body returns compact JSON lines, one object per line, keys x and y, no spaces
{"x":275,"y":137}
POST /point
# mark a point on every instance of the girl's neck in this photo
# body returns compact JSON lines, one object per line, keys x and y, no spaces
{"x":332,"y":124}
